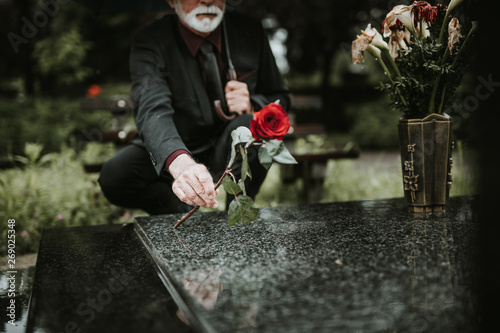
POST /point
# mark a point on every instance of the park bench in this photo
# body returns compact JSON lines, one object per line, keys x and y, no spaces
{"x":120,"y":108}
{"x":311,"y":166}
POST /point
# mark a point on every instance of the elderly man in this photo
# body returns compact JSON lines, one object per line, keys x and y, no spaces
{"x":186,"y":106}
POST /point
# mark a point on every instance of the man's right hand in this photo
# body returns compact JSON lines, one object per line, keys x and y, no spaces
{"x":193,"y":184}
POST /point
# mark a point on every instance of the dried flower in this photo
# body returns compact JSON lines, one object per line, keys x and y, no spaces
{"x":370,"y":40}
{"x":359,"y":46}
{"x":401,"y":13}
{"x":424,"y":11}
{"x":397,"y":42}
{"x":424,"y":78}
{"x":454,"y":29}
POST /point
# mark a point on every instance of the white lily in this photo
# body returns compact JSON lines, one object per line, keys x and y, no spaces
{"x":376,"y":38}
{"x":402,"y":13}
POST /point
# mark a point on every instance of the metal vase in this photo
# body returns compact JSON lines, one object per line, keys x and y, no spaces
{"x":426,"y":160}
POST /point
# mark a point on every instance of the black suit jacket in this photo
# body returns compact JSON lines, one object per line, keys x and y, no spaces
{"x":171,"y":105}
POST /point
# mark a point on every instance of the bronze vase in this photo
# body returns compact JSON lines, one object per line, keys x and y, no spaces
{"x":426,"y":160}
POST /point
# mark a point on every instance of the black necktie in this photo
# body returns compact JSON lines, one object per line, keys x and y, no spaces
{"x":212,"y":76}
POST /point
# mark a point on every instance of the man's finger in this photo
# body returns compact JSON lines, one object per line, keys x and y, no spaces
{"x":179,"y":192}
{"x":207,"y":185}
{"x":195,"y":192}
{"x":237,"y":93}
{"x":207,"y":182}
{"x":232,"y":85}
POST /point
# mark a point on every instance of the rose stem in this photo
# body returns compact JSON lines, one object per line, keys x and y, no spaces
{"x":188,"y":215}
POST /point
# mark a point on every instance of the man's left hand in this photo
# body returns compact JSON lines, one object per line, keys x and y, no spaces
{"x":238,"y":97}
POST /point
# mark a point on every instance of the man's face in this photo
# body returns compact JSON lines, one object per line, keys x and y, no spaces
{"x":202,"y":16}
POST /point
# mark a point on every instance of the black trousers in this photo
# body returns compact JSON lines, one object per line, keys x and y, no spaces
{"x":129,"y":179}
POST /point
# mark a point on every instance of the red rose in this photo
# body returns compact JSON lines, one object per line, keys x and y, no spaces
{"x":271,"y":122}
{"x":93,"y":91}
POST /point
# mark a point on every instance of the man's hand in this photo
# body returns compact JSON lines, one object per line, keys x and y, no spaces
{"x":238,"y":97}
{"x":193,"y":183}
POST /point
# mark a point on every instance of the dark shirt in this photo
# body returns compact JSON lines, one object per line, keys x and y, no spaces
{"x":193,"y":42}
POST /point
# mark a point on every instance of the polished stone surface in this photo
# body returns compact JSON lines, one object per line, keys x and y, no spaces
{"x":364,"y":266}
{"x":22,"y":291}
{"x":98,"y":279}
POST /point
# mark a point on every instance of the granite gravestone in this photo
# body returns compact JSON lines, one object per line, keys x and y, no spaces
{"x":360,"y":266}
{"x":365,"y":266}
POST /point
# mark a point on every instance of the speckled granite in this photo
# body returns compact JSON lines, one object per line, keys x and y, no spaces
{"x":345,"y":267}
{"x":98,"y":279}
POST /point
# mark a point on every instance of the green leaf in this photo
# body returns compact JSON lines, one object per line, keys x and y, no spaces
{"x":230,"y":187}
{"x":241,"y":184}
{"x":242,"y":210}
{"x":277,"y":150}
{"x":245,"y":167}
{"x":22,"y":159}
{"x":265,"y":158}
{"x":240,"y":135}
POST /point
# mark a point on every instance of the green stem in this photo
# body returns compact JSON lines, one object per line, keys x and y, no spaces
{"x":393,"y":63}
{"x":444,"y":26}
{"x":438,"y":78}
{"x":434,"y":93}
{"x":440,"y":110}
{"x":436,"y":84}
{"x":462,"y":47}
{"x":392,"y":81}
{"x":413,"y":33}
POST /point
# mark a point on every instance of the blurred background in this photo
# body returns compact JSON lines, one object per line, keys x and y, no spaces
{"x":64,"y":109}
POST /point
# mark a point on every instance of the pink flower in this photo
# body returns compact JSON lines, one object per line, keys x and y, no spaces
{"x":60,"y":217}
{"x":24,"y":234}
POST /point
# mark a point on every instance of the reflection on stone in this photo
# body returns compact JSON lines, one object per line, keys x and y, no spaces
{"x":204,"y":286}
{"x":432,"y":280}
